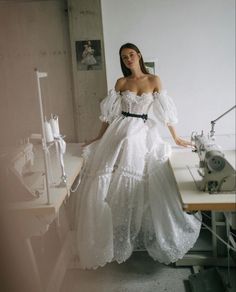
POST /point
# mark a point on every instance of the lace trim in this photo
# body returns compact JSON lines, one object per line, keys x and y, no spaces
{"x":125,"y":171}
{"x":134,"y":98}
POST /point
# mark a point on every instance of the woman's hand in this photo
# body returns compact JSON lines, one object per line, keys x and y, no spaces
{"x":184,"y":143}
{"x":179,"y":141}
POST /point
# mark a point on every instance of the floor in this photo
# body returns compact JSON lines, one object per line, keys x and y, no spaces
{"x":139,"y":274}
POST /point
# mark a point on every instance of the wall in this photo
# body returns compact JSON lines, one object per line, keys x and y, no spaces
{"x":89,"y":85}
{"x":34,"y":34}
{"x":194,"y":42}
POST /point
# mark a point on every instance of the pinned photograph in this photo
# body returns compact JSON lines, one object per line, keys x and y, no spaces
{"x":88,"y":55}
{"x":151,"y":65}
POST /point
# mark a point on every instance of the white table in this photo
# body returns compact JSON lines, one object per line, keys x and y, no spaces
{"x":193,"y":199}
{"x":35,"y":216}
{"x":38,"y":206}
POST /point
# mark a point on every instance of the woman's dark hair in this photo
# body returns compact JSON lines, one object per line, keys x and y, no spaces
{"x":126,"y":71}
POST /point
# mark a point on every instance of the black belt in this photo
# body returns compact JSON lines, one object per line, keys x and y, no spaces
{"x":143,"y":116}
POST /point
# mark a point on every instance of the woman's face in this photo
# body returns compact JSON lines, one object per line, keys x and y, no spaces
{"x":130,"y":58}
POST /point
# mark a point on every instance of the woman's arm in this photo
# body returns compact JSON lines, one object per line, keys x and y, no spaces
{"x":179,"y":141}
{"x":100,"y":134}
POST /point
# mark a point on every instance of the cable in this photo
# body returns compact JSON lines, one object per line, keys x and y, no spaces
{"x":74,"y":189}
{"x":228,"y":257}
{"x":216,"y":235}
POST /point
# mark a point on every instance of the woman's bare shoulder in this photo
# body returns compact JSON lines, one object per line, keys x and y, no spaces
{"x":120,"y":83}
{"x":154,"y":78}
{"x":156,"y":82}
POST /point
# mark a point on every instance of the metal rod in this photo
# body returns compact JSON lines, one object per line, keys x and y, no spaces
{"x":44,"y":144}
{"x":223,"y":114}
{"x":214,"y":121}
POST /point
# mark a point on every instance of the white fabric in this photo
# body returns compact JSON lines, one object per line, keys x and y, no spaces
{"x":110,"y":106}
{"x":128,"y":197}
{"x":164,"y":108}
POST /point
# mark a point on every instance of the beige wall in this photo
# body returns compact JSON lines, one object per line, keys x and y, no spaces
{"x":34,"y":34}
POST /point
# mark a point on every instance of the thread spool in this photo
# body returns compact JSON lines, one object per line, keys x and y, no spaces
{"x":48,"y":132}
{"x":55,"y":126}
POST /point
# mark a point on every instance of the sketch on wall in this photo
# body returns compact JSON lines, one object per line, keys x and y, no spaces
{"x":88,"y":55}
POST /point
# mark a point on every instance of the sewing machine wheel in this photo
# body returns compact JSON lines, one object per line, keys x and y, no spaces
{"x":215,"y":162}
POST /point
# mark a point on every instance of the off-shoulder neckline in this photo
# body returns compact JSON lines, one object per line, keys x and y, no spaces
{"x":139,"y":95}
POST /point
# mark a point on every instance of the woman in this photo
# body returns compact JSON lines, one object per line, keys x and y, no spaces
{"x":128,"y":197}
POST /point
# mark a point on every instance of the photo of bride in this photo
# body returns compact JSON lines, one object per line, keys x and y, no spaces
{"x":88,"y":55}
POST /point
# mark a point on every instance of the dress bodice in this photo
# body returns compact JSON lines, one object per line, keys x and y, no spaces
{"x":136,"y":104}
{"x":157,"y":105}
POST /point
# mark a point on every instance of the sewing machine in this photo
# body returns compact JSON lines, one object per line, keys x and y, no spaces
{"x":206,"y":183}
{"x":216,"y":173}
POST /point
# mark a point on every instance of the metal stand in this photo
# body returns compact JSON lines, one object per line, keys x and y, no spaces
{"x":212,"y":132}
{"x":40,"y":75}
{"x":60,"y":153}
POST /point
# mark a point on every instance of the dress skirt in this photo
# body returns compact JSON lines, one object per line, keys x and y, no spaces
{"x":128,"y":198}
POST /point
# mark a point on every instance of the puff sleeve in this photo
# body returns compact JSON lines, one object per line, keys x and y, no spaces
{"x":164,"y":108}
{"x":110,"y":106}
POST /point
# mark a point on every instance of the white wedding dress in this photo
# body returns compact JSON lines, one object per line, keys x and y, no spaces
{"x":128,"y":197}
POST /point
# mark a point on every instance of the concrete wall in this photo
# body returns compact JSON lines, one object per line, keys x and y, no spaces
{"x":89,"y":85}
{"x":194,"y":42}
{"x":34,"y":34}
